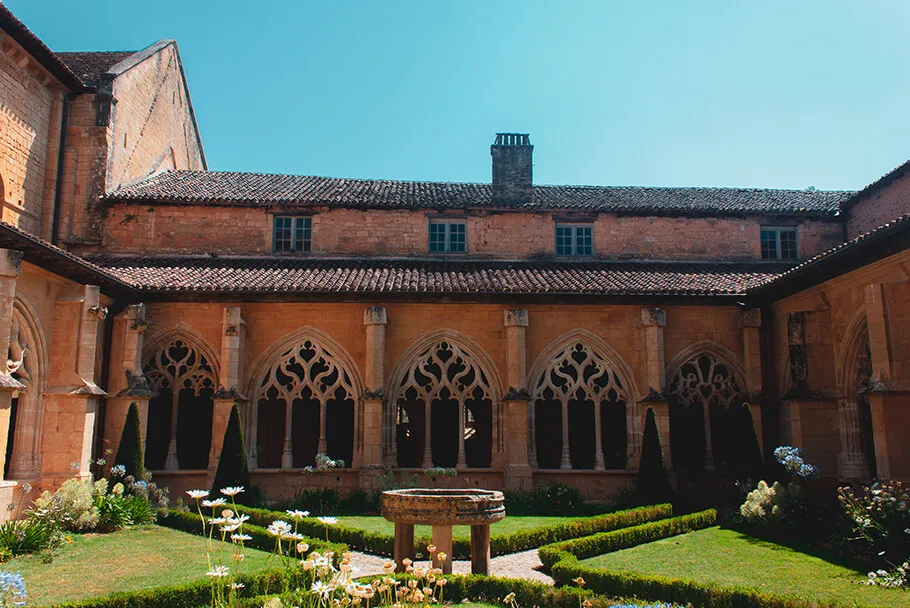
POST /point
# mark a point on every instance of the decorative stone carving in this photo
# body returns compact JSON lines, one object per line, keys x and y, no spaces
{"x":579,"y":368}
{"x":177,"y":364}
{"x":445,"y":366}
{"x":706,"y":380}
{"x":308,"y":366}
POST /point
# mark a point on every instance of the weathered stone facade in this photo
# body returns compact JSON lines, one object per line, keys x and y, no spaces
{"x":502,"y":361}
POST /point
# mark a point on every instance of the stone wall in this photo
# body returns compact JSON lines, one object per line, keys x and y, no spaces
{"x":882,"y":205}
{"x":245,"y":230}
{"x":30,"y":107}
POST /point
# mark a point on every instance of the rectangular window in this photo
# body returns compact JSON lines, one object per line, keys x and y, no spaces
{"x":574,"y":239}
{"x":778,"y":243}
{"x":448,"y":236}
{"x":293,"y":233}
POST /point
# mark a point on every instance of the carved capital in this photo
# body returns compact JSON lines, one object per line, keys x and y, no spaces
{"x":373,"y":395}
{"x":137,"y":315}
{"x":651,"y":317}
{"x":514,"y":394}
{"x":750,"y":317}
{"x":375,"y":315}
{"x":516,"y":317}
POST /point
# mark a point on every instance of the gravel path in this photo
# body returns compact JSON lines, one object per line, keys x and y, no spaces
{"x":524,"y":565}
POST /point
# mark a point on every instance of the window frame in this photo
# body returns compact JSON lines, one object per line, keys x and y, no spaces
{"x":574,"y":228}
{"x":299,"y":223}
{"x":448,"y":222}
{"x":777,"y":230}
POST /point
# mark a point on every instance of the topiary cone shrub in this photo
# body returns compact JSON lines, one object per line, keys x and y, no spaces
{"x":232,"y":466}
{"x":129,"y":453}
{"x":653,"y":484}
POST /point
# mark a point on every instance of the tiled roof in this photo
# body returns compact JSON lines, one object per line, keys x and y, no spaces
{"x":36,"y":47}
{"x":90,"y":65}
{"x":232,"y":188}
{"x":869,"y":240}
{"x":440,"y":277}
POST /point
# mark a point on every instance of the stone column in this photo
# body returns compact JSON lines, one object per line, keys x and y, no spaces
{"x":480,"y":549}
{"x":653,"y":322}
{"x":10,"y":268}
{"x":879,"y":346}
{"x":230,"y":390}
{"x":461,"y":462}
{"x":128,"y":385}
{"x":404,"y":545}
{"x":71,"y":403}
{"x":566,"y":462}
{"x":751,"y":325}
{"x":518,"y":419}
{"x":442,"y":538}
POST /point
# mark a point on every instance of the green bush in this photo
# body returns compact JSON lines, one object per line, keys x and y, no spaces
{"x":318,"y":501}
{"x":623,"y":538}
{"x":72,"y":507}
{"x":20,"y":536}
{"x":558,"y":499}
{"x":129,"y":453}
{"x":232,"y":466}
{"x":653,"y":483}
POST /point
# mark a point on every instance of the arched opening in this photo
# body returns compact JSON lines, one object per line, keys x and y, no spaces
{"x":580,"y":417}
{"x":179,"y":432}
{"x":443,"y":401}
{"x":857,"y":457}
{"x":710,"y":423}
{"x":305,"y":406}
{"x":25,"y":363}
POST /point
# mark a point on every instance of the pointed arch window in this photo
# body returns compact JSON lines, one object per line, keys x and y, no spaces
{"x":23,"y":457}
{"x":580,"y":412}
{"x":710,"y":423}
{"x":306,"y":406}
{"x":180,"y":415}
{"x":444,"y":402}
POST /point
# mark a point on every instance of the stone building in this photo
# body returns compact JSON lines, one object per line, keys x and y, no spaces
{"x":515,"y":332}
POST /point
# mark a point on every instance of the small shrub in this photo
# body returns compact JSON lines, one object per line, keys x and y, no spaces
{"x":232,"y":465}
{"x":129,"y":452}
{"x":21,"y":536}
{"x":880,"y":514}
{"x":653,"y":484}
{"x":767,"y":506}
{"x":318,"y":501}
{"x":358,"y":502}
{"x":72,"y":507}
{"x":559,"y":499}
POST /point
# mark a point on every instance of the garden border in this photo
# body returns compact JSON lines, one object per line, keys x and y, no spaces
{"x":563,"y":561}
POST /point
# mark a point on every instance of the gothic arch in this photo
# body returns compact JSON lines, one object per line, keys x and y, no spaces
{"x":183,"y":371}
{"x":305,"y":399}
{"x":710,"y":426}
{"x":27,"y":362}
{"x":854,"y":374}
{"x":447,"y":381}
{"x":582,"y":386}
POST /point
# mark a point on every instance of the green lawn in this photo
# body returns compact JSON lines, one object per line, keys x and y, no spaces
{"x":513,"y":523}
{"x":726,"y":557}
{"x":99,"y":564}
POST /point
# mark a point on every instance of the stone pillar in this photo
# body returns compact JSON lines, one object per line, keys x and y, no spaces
{"x":566,"y":462}
{"x":128,"y":384}
{"x":519,"y":449}
{"x":750,"y":320}
{"x":404,"y":545}
{"x":480,"y":549}
{"x":653,"y":322}
{"x":71,"y":403}
{"x":517,"y":468}
{"x":879,"y":347}
{"x":10,"y":268}
{"x":378,"y":440}
{"x":230,"y":391}
{"x":799,"y":356}
{"x":442,"y":538}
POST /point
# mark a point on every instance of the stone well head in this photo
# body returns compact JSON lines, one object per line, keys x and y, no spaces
{"x":468,"y":507}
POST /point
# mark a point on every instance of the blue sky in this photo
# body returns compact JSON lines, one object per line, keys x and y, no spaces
{"x":770,"y":93}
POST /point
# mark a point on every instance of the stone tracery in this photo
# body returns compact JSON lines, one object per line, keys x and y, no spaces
{"x":447,"y":390}
{"x":580,"y":392}
{"x":309,"y":386}
{"x":184,"y":379}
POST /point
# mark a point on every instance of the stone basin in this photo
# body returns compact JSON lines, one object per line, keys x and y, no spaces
{"x":442,"y":509}
{"x":468,"y":507}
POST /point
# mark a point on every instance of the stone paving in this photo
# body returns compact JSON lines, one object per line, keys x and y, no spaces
{"x":524,"y":565}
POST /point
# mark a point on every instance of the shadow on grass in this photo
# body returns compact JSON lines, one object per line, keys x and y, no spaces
{"x":861,"y":567}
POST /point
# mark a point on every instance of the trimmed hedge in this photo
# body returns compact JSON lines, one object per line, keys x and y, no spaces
{"x":608,"y":542}
{"x":563,"y":561}
{"x":186,"y":595}
{"x":189,"y":522}
{"x":502,"y":544}
{"x":492,"y":590}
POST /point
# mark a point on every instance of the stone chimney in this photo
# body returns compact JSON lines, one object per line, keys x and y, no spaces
{"x":512,"y":168}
